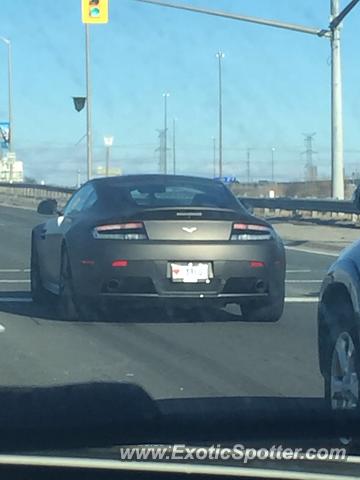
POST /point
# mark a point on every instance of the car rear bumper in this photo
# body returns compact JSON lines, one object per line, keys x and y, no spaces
{"x":147,"y":276}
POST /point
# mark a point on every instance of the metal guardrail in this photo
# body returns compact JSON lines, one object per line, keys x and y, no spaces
{"x":302,"y":204}
{"x":295,"y":205}
{"x":21,"y":187}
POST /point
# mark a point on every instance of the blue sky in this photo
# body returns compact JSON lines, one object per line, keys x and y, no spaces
{"x":276,"y":86}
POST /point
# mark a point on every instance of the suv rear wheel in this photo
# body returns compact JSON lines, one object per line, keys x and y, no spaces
{"x":342,"y":373}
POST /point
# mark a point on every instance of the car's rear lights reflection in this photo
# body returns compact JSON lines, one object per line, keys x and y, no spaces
{"x":121,"y":231}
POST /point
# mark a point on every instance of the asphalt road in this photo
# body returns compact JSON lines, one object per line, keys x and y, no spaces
{"x":169,"y":358}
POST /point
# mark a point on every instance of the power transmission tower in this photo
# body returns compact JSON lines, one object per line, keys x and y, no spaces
{"x":310,"y":168}
{"x":161,"y":150}
{"x":248,"y":164}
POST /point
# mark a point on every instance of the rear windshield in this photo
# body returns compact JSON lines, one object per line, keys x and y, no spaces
{"x":181,"y":194}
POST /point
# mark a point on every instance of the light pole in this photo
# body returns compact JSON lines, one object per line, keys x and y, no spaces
{"x":89,"y":132}
{"x":337,"y":136}
{"x":220,"y":55}
{"x":10,"y":101}
{"x":174,"y":145}
{"x":214,"y":156}
{"x":272,"y":163}
{"x":248,"y":165}
{"x":10,"y":91}
{"x":108,"y":142}
{"x":165,"y":95}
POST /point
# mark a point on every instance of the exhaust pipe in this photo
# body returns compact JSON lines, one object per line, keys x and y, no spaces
{"x":114,"y":285}
{"x":260,"y":286}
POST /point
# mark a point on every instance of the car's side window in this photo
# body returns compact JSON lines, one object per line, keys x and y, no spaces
{"x":77,"y":202}
{"x":91,"y":200}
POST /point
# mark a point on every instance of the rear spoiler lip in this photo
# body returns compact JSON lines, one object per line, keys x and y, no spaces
{"x":140,"y":215}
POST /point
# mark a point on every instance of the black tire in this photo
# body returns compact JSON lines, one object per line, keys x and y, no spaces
{"x":38,"y":293}
{"x":71,"y":307}
{"x":342,"y":330}
{"x":255,"y":312}
{"x":66,"y":303}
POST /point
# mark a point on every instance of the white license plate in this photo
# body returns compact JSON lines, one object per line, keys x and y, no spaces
{"x":190,"y":272}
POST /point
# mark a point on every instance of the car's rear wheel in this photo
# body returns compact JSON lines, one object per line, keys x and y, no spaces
{"x":38,"y":293}
{"x":67,"y":307}
{"x":268,"y":313}
{"x":72,"y":308}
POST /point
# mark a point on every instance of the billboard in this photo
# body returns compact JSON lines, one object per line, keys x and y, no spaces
{"x":4,"y":134}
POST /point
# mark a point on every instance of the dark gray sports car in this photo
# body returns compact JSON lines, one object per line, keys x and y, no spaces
{"x":180,"y":240}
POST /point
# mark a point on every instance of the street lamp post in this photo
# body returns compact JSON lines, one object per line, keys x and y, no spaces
{"x":165,"y":95}
{"x":272,"y":164}
{"x":214,"y":155}
{"x":337,"y":136}
{"x":108,"y":141}
{"x":174,"y":145}
{"x":10,"y":101}
{"x":89,"y":132}
{"x":10,"y":91}
{"x":220,"y":55}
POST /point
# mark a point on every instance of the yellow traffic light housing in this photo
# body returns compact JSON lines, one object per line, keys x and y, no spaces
{"x":95,"y":11}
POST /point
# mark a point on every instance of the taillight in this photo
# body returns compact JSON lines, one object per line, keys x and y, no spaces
{"x":245,"y":231}
{"x":121,"y":231}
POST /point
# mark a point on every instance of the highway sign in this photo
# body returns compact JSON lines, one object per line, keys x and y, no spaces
{"x":226,"y":179}
{"x":4,"y":134}
{"x":95,"y":11}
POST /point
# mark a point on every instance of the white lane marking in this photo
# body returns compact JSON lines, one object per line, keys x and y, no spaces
{"x":14,"y":270}
{"x":303,"y":281}
{"x":301,"y":299}
{"x":315,"y":252}
{"x":15,"y":299}
{"x":295,"y":271}
{"x":14,"y":281}
{"x":2,"y":328}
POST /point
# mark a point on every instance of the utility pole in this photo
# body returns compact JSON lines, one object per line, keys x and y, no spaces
{"x":214,"y":156}
{"x":165,"y":95}
{"x":174,"y":146}
{"x":10,"y":90}
{"x":337,"y":140}
{"x":220,"y":55}
{"x":89,"y":132}
{"x":108,"y":142}
{"x":11,"y":157}
{"x":273,"y":164}
{"x":310,"y":168}
{"x":248,"y":165}
{"x":161,"y":151}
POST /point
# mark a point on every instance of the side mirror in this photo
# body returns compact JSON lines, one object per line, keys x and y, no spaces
{"x":47,"y":207}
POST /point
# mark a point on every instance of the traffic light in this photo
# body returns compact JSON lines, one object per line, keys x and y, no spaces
{"x":95,"y":11}
{"x":79,"y":103}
